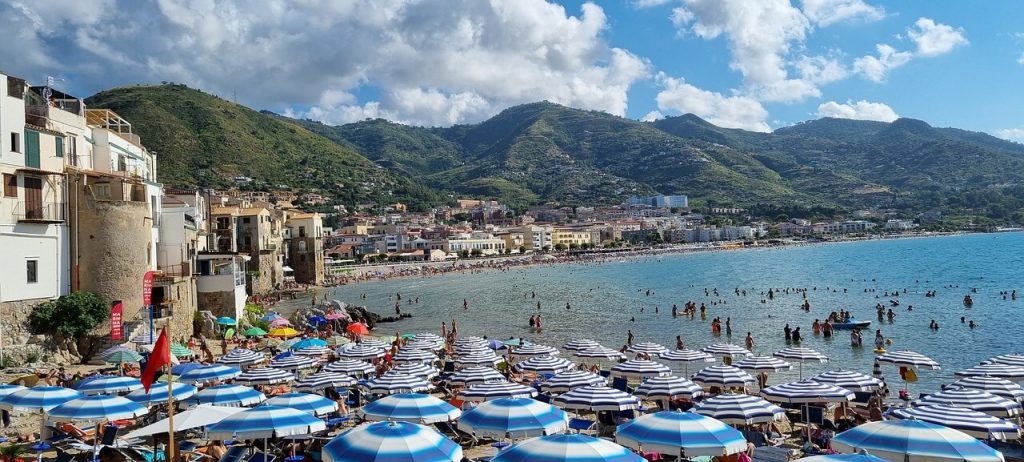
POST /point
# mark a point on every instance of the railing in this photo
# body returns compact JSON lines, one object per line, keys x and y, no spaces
{"x":40,"y":213}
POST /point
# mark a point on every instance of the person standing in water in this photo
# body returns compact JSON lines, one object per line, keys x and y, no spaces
{"x":629,"y":337}
{"x":749,"y":342}
{"x":879,"y":340}
{"x":679,"y":342}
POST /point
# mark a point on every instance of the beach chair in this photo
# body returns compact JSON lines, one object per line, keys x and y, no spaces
{"x":583,"y":426}
{"x":234,"y":454}
{"x":260,"y":456}
{"x":459,"y":436}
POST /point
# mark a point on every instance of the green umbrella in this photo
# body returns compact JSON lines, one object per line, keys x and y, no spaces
{"x":122,"y":356}
{"x":181,"y":351}
{"x":255,"y":332}
{"x":337,"y":340}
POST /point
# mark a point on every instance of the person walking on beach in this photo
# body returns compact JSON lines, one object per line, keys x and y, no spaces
{"x":749,"y":342}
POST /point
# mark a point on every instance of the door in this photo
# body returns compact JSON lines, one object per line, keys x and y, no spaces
{"x":31,"y":148}
{"x":33,"y":198}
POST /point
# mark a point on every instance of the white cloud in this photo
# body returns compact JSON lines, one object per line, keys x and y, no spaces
{"x":1020,"y":60}
{"x":820,"y":70}
{"x":877,"y":68}
{"x":930,"y":39}
{"x":1011,"y":134}
{"x":679,"y":97}
{"x":652,"y":116}
{"x":860,"y":110}
{"x":650,"y":3}
{"x":827,"y":12}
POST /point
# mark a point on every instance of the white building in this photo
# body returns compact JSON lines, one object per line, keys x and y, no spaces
{"x":221,"y":283}
{"x":486,"y":243}
{"x":899,"y":225}
{"x":537,"y":237}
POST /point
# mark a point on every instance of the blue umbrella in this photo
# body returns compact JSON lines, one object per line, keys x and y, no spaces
{"x":914,"y":440}
{"x":391,"y":441}
{"x":308,"y":342}
{"x":209,"y":373}
{"x":317,"y":320}
{"x":683,"y":434}
{"x":6,"y":389}
{"x":229,"y":395}
{"x":740,"y":409}
{"x":108,"y":384}
{"x":566,"y":448}
{"x":270,"y":317}
{"x":241,"y":357}
{"x":226,"y":321}
{"x":265,"y":421}
{"x":264,"y":376}
{"x":38,"y":398}
{"x":305,"y":402}
{"x":494,"y":390}
{"x":322,"y":380}
{"x":285,"y":354}
{"x":410,"y":407}
{"x":514,"y":418}
{"x":841,"y":458}
{"x":974,"y":423}
{"x":95,"y":409}
{"x":158,"y":393}
{"x":596,"y":398}
{"x":182,"y":368}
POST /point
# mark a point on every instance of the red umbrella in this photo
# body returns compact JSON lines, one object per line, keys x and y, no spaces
{"x":358,"y":328}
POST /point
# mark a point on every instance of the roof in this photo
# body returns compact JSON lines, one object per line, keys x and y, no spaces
{"x":223,"y":210}
{"x":252,"y":211}
{"x":303,"y":215}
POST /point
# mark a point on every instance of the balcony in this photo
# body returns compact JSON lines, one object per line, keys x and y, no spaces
{"x":39,"y":213}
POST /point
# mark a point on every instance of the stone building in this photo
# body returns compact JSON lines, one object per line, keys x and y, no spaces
{"x":260,"y":234}
{"x":306,"y":247}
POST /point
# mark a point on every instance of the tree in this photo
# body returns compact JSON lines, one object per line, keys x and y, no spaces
{"x":476,"y":252}
{"x":508,"y":250}
{"x":559,"y":247}
{"x":464,"y":253}
{"x":573,"y":246}
{"x":522,"y":249}
{"x":69,"y":318}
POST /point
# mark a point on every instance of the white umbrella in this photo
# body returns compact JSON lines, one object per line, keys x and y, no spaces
{"x":199,"y":416}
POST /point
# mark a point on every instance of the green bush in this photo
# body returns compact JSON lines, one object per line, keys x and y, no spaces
{"x":71,"y":316}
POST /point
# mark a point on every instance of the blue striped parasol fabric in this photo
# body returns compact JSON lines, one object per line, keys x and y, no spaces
{"x":211,"y":373}
{"x":740,"y":409}
{"x":687,"y":356}
{"x":723,"y":376}
{"x":392,"y":383}
{"x":758,"y":364}
{"x":293,"y":363}
{"x":600,"y":352}
{"x":650,"y":348}
{"x":410,"y":407}
{"x":37,"y":398}
{"x":121,"y":354}
{"x":546,"y":365}
{"x":228,"y":395}
{"x":473,"y":351}
{"x":264,"y":376}
{"x":95,"y":409}
{"x":1003,"y":371}
{"x":566,"y":448}
{"x":801,"y":355}
{"x":974,"y":423}
{"x":475,"y":375}
{"x":305,"y":402}
{"x":807,"y":391}
{"x":1013,"y":359}
{"x":994,"y":385}
{"x":427,"y":336}
{"x":527,"y":351}
{"x":568,"y":380}
{"x":495,"y":390}
{"x":682,"y":434}
{"x":596,"y":398}
{"x":158,"y":393}
{"x":640,"y":368}
{"x":849,"y":380}
{"x":319,"y":381}
{"x":6,"y":389}
{"x":108,"y":384}
{"x":265,"y":421}
{"x":360,"y":351}
{"x":241,"y":357}
{"x":407,"y":355}
{"x":668,"y":387}
{"x":428,"y":345}
{"x":350,"y":367}
{"x":392,"y":442}
{"x":969,"y":398}
{"x":841,"y":458}
{"x":306,"y":343}
{"x":726,"y":349}
{"x":514,"y":418}
{"x":482,"y":359}
{"x":580,"y":344}
{"x":908,"y":359}
{"x":423,"y":371}
{"x":914,"y":440}
{"x":470,"y":341}
{"x":314,"y":351}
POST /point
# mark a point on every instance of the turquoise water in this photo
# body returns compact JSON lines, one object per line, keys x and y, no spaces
{"x":605,"y":296}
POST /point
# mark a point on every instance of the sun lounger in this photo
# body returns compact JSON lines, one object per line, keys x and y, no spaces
{"x":260,"y":456}
{"x":234,"y":454}
{"x":459,"y":436}
{"x":583,"y":426}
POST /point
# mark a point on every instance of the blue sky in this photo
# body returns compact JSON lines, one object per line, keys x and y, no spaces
{"x":753,"y":64}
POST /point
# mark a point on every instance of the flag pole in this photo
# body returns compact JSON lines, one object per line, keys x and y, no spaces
{"x":172,"y":453}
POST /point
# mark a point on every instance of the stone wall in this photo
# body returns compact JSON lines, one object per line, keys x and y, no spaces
{"x":218,"y":303}
{"x":20,"y":345}
{"x":263,"y":263}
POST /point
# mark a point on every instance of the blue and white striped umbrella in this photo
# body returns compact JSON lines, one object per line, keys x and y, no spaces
{"x":158,"y":393}
{"x":533,"y":350}
{"x":514,"y":418}
{"x":410,"y":407}
{"x":687,"y":356}
{"x":473,"y":350}
{"x":580,"y":345}
{"x":374,"y":342}
{"x":392,"y":442}
{"x":640,"y":368}
{"x":350,"y":367}
{"x":305,"y":402}
{"x":314,"y":351}
{"x":1013,"y":359}
{"x":96,"y":408}
{"x":265,"y":421}
{"x":740,"y":409}
{"x":475,"y":375}
{"x":241,"y":357}
{"x":318,"y":382}
{"x":912,"y":441}
{"x":209,"y":373}
{"x":38,"y":398}
{"x":423,"y":371}
{"x":546,"y":365}
{"x":650,"y":348}
{"x":681,"y":434}
{"x":428,"y":337}
{"x":414,"y":356}
{"x":264,"y":376}
{"x":360,"y":351}
{"x":566,"y":448}
{"x":723,"y":376}
{"x":228,"y":395}
{"x":841,"y":458}
{"x":392,"y":383}
{"x":293,"y":363}
{"x":668,"y":387}
{"x":849,"y":380}
{"x":6,"y":389}
{"x":108,"y":384}
{"x":908,"y":359}
{"x":470,"y":341}
{"x":1003,"y":371}
{"x":974,"y":423}
{"x":600,"y":352}
{"x":428,"y":345}
{"x":994,"y":385}
{"x":568,"y":380}
{"x":494,"y":390}
{"x":726,"y":349}
{"x":482,"y":359}
{"x":596,"y":398}
{"x":801,"y":355}
{"x":758,"y":364}
{"x":969,"y":398}
{"x":807,"y":391}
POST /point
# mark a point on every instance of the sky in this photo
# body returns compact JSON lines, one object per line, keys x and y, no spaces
{"x":751,"y":64}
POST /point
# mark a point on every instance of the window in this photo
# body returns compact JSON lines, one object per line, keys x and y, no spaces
{"x":32,"y":271}
{"x":302,"y":231}
{"x":59,"y":144}
{"x":15,"y":87}
{"x":101,"y":190}
{"x":245,"y":220}
{"x":15,"y":142}
{"x":10,"y":185}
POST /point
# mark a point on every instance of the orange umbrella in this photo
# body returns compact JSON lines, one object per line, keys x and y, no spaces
{"x":283,"y":332}
{"x":358,"y":328}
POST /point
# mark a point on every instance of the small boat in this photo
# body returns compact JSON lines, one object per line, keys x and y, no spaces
{"x":853,"y":323}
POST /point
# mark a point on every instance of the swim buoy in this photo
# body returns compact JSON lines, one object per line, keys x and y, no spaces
{"x":880,"y":350}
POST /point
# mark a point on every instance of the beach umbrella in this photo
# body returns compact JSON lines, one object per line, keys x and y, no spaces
{"x":1003,"y":371}
{"x":495,"y":390}
{"x":801,"y":355}
{"x":157,"y":393}
{"x":686,"y":357}
{"x":392,"y":442}
{"x":580,"y":345}
{"x":1013,"y":359}
{"x":40,"y":397}
{"x":314,"y":351}
{"x":908,"y":359}
{"x":414,"y":356}
{"x":264,"y":376}
{"x":6,"y":389}
{"x":969,"y":398}
{"x":650,"y":348}
{"x":723,"y":376}
{"x":350,"y":367}
{"x":639,"y":368}
{"x":199,"y":416}
{"x":758,"y":364}
{"x":513,"y":418}
{"x":483,"y":359}
{"x":392,"y":383}
{"x":265,"y":421}
{"x":209,"y":373}
{"x":318,"y":382}
{"x":108,"y":384}
{"x":360,"y":351}
{"x":470,"y":341}
{"x":337,"y":341}
{"x":334,"y":316}
{"x":357,"y":328}
{"x":271,"y":316}
{"x":994,"y":385}
{"x":566,"y":448}
{"x":228,"y":395}
{"x":726,"y":349}
{"x":294,"y":363}
{"x":681,"y":434}
{"x":545,"y":365}
{"x":95,"y":409}
{"x":422,"y":345}
{"x":974,"y":423}
{"x":472,"y":350}
{"x":410,"y":407}
{"x":596,"y":398}
{"x":668,"y":387}
{"x":317,"y":320}
{"x":600,"y":352}
{"x":119,"y":355}
{"x":849,"y":380}
{"x":475,"y":375}
{"x":226,"y":321}
{"x":862,"y":457}
{"x":740,"y":409}
{"x":284,"y":332}
{"x":807,"y":391}
{"x":280,"y":322}
{"x":427,"y":336}
{"x":254,"y":332}
{"x":116,"y":348}
{"x":307,"y":342}
{"x":182,"y":368}
{"x":241,"y":357}
{"x":914,"y":441}
{"x":181,"y":351}
{"x":305,"y":402}
{"x":424,"y":371}
{"x":568,"y":380}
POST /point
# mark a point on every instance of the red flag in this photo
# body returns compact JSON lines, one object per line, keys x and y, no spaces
{"x":160,"y":357}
